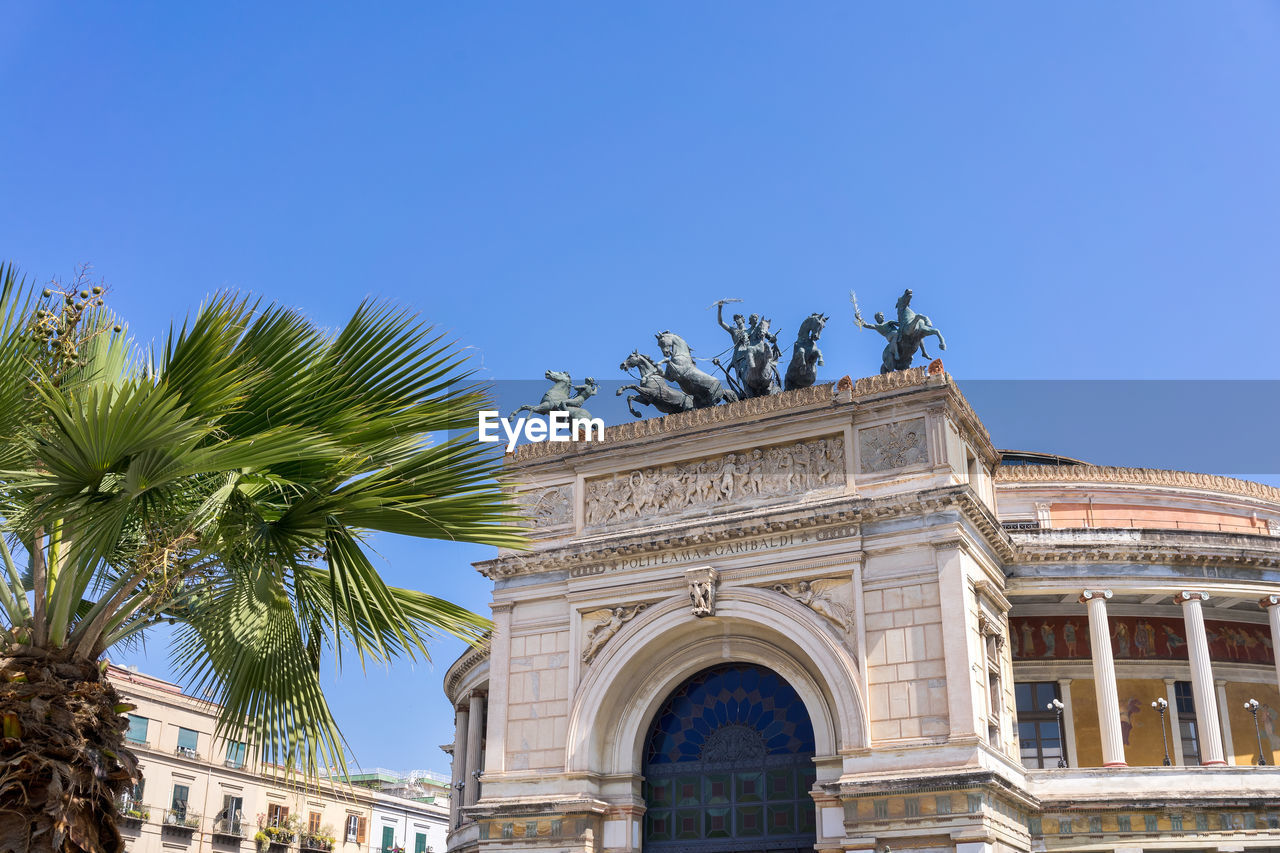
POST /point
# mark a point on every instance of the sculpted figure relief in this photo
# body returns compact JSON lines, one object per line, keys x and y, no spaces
{"x":548,"y":507}
{"x":895,"y":445}
{"x":821,"y":603}
{"x":676,"y":487}
{"x":702,"y":591}
{"x":608,"y":625}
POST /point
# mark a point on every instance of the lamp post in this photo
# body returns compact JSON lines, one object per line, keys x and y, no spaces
{"x":1162,"y":705}
{"x":1056,"y":706}
{"x":1252,"y":707}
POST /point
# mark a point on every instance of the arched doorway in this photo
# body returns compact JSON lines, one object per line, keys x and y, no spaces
{"x":728,"y":764}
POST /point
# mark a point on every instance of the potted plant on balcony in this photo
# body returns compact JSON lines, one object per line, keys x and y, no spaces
{"x":322,"y":840}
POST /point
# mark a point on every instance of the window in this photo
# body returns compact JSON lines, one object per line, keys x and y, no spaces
{"x":235,"y":754}
{"x":353,"y":828}
{"x":133,"y":794}
{"x":137,"y":731}
{"x":232,"y":814}
{"x":277,"y":815}
{"x":1038,"y":733}
{"x":388,"y":837}
{"x":187,"y":741}
{"x":181,"y":793}
{"x":313,"y":823}
{"x":420,"y":843}
{"x":1188,"y":728}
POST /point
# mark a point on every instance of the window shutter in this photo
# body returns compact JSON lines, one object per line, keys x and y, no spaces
{"x":362,"y":831}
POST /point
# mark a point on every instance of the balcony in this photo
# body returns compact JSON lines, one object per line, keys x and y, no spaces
{"x":1136,"y":786}
{"x":321,"y":843}
{"x":234,"y":763}
{"x":133,"y":814}
{"x":180,"y":821}
{"x":134,"y":740}
{"x":228,"y":829}
{"x":187,"y":752}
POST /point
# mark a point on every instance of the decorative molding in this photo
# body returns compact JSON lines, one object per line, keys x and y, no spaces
{"x":609,"y":621}
{"x":895,"y":381}
{"x":1268,"y":601}
{"x":466,"y":662}
{"x":1189,"y":595}
{"x":811,"y":397}
{"x":740,"y":478}
{"x":894,"y":445}
{"x":1135,"y":477}
{"x":1090,"y":594}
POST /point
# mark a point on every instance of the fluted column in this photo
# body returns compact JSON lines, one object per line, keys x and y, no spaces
{"x":475,"y":731}
{"x":1224,"y":713}
{"x":460,"y":731}
{"x":1104,"y":677}
{"x":1272,"y":605}
{"x":1207,"y":718}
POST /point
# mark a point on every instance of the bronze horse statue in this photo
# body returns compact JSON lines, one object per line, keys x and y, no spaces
{"x":679,"y":368}
{"x":560,"y":397}
{"x":802,"y":372}
{"x":652,"y":389}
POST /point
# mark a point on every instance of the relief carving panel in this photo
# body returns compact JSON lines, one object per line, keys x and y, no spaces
{"x":549,"y":507}
{"x":895,"y":445}
{"x":744,"y":477}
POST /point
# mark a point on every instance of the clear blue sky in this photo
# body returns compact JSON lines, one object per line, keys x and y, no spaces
{"x":1074,"y":191}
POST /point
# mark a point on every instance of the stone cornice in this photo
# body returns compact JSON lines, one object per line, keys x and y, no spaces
{"x":759,"y":522}
{"x":1109,"y":475}
{"x":466,"y":662}
{"x":1171,"y":547}
{"x":814,"y":397}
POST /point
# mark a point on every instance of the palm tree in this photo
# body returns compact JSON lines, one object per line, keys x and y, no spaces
{"x":223,"y":483}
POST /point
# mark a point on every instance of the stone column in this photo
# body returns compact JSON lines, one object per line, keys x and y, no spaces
{"x":460,"y":732}
{"x":1271,"y":604}
{"x":1201,"y":677}
{"x":1068,"y":722}
{"x":1228,"y":742}
{"x":475,"y":731}
{"x":1104,"y":677}
{"x":1175,"y":727}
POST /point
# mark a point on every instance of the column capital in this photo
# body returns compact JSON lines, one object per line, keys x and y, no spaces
{"x":1063,"y":681}
{"x":1169,"y":682}
{"x":1090,"y":594}
{"x":1189,"y":595}
{"x":478,"y":694}
{"x":1268,"y":601}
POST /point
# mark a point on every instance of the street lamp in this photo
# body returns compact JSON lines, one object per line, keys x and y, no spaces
{"x":1252,"y":707}
{"x":461,"y":786}
{"x":1056,"y":706}
{"x":1162,"y":705}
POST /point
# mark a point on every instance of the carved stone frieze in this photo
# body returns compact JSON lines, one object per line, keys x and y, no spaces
{"x":741,"y":478}
{"x":608,"y":622}
{"x":893,"y":445}
{"x":1135,"y":477}
{"x":893,"y":381}
{"x":549,"y":507}
{"x":814,"y":595}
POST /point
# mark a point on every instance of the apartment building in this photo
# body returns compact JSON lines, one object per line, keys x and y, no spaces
{"x":204,"y":794}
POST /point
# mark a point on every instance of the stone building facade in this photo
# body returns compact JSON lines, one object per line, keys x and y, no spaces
{"x":838,"y":619}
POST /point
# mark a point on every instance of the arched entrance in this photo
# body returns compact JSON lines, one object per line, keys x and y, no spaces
{"x":728,"y":764}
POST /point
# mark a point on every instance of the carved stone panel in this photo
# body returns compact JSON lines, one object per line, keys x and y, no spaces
{"x":896,"y":445}
{"x":751,"y":476}
{"x":549,"y":507}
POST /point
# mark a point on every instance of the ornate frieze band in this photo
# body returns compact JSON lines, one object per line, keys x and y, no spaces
{"x":900,"y":444}
{"x":742,"y":478}
{"x":1135,"y":477}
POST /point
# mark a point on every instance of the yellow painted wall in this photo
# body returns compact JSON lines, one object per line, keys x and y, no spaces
{"x":1144,"y":746}
{"x":1084,"y":708}
{"x":1242,"y":733}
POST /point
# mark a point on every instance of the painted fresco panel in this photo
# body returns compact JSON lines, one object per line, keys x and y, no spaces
{"x":1135,"y":638}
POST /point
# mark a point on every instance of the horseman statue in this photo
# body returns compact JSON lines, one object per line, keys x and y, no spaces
{"x":562,"y":396}
{"x":903,"y":336}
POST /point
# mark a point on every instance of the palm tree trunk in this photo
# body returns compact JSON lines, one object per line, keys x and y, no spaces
{"x":62,"y":756}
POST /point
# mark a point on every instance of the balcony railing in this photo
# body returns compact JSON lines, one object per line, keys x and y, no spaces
{"x":187,"y":752}
{"x":315,"y":842}
{"x":232,"y":827}
{"x":134,"y":740}
{"x":180,"y":819}
{"x":235,"y":763}
{"x":132,"y":812}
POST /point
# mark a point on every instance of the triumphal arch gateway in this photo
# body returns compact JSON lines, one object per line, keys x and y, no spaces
{"x":838,"y":619}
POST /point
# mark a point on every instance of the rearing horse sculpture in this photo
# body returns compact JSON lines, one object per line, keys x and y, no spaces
{"x":652,"y":389}
{"x":677,"y":360}
{"x":802,"y":372}
{"x":560,"y":397}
